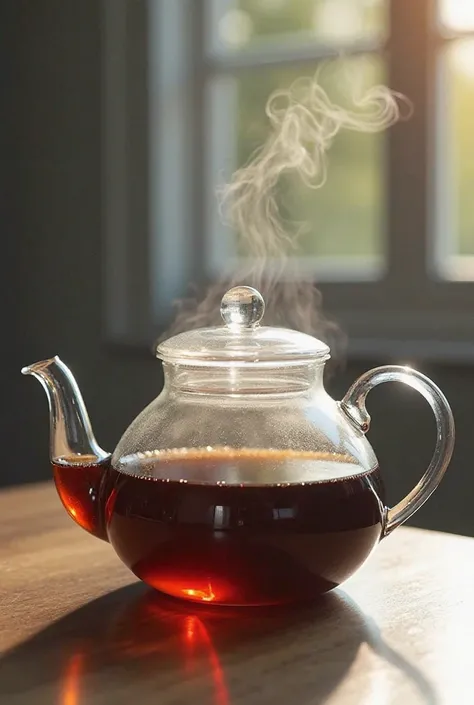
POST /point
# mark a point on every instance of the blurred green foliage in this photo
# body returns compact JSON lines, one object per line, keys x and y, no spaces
{"x":460,"y":132}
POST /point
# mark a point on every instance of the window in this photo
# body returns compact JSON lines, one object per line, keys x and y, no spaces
{"x":254,"y":48}
{"x":455,"y":65}
{"x":391,"y":234}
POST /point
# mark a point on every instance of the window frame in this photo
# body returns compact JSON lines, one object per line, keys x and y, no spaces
{"x":393,"y":317}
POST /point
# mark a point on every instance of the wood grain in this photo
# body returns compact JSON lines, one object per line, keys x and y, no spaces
{"x":76,"y":628}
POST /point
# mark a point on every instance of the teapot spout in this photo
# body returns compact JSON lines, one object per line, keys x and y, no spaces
{"x":71,"y":435}
{"x":79,"y":463}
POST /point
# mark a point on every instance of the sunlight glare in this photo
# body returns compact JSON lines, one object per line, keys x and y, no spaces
{"x":463,"y":57}
{"x":457,"y":15}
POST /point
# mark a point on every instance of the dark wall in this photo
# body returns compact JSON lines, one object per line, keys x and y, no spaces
{"x":51,"y":117}
{"x":52,"y":107}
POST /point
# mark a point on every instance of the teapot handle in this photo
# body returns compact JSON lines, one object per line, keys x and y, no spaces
{"x":353,"y":405}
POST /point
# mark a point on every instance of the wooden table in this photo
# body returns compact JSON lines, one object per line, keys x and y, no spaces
{"x":76,"y":628}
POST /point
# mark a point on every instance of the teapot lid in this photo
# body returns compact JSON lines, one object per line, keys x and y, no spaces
{"x":242,"y":339}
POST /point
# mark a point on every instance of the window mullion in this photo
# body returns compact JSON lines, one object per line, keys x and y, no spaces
{"x":172,"y":129}
{"x":286,"y":53}
{"x":411,"y":73}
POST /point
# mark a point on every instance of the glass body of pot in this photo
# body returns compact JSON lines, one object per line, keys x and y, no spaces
{"x":280,"y":495}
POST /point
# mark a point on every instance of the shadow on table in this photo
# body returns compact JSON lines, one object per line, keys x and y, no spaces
{"x":134,"y":643}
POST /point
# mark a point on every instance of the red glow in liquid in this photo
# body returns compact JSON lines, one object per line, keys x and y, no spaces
{"x":191,"y":588}
{"x":208,"y":596}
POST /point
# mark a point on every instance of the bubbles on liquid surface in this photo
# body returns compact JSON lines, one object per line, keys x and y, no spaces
{"x":230,"y":466}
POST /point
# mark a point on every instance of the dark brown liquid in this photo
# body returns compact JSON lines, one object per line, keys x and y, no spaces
{"x":243,"y":543}
{"x":79,"y":485}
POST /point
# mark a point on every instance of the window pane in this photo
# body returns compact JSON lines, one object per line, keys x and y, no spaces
{"x":346,"y":216}
{"x":240,"y":24}
{"x":457,"y":15}
{"x":456,"y":161}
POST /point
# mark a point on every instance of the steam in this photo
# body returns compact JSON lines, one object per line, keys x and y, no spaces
{"x":303,"y":123}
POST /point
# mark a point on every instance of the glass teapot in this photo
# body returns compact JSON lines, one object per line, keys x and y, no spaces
{"x":243,"y":482}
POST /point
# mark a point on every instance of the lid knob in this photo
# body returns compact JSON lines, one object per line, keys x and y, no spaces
{"x":242,"y":307}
